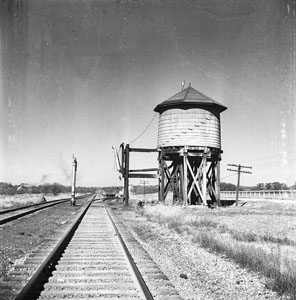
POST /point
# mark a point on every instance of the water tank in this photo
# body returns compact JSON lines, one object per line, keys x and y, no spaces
{"x":189,"y":118}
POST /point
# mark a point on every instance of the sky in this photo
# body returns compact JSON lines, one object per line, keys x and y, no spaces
{"x":80,"y":76}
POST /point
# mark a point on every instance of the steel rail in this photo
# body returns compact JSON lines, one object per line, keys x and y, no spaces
{"x":46,"y":205}
{"x":4,"y":211}
{"x":133,"y":265}
{"x":17,"y":216}
{"x":9,"y":210}
{"x":48,"y":264}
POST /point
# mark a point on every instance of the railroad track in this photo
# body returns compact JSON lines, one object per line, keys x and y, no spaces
{"x":97,"y":258}
{"x":12,"y":214}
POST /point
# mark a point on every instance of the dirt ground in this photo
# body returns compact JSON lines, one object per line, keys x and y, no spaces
{"x":196,"y":272}
{"x":23,"y":235}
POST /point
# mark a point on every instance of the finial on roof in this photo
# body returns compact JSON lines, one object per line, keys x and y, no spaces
{"x":183,"y":84}
{"x":189,"y":84}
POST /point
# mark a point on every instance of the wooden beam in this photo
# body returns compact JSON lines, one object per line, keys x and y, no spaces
{"x":195,"y":154}
{"x":145,"y":170}
{"x":161,"y":177}
{"x":143,"y":150}
{"x":185,"y":179}
{"x":181,"y":181}
{"x":166,"y":169}
{"x":204,"y":179}
{"x":126,"y":173}
{"x":166,"y":175}
{"x":217,"y":183}
{"x":170,"y":178}
{"x":194,"y":182}
{"x":143,"y":175}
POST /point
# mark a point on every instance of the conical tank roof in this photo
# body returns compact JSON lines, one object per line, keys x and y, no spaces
{"x":189,"y":98}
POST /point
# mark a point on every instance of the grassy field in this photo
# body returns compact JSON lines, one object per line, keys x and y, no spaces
{"x":7,"y":201}
{"x":260,"y":236}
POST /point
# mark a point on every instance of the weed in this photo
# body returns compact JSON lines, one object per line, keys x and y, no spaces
{"x":257,"y":251}
{"x":268,"y":237}
{"x":204,"y":222}
{"x":254,"y":258}
{"x":254,"y":237}
{"x":244,"y":236}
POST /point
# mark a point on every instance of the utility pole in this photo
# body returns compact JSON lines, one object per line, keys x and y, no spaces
{"x":144,"y":183}
{"x":74,"y":170}
{"x":239,"y":171}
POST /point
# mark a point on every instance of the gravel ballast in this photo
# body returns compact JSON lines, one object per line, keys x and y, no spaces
{"x":194,"y":271}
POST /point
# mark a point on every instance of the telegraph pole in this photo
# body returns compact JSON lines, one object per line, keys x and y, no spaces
{"x":74,"y":170}
{"x":144,"y":183}
{"x":239,"y":171}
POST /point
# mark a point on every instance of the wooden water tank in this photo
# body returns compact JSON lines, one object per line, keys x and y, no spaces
{"x":189,"y":118}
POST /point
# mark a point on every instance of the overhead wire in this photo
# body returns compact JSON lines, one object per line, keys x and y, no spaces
{"x":228,"y":176}
{"x":146,"y":128}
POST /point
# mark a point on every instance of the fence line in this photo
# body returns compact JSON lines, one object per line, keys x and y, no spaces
{"x":261,"y":194}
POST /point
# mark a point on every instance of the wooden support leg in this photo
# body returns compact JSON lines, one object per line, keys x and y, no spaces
{"x":211,"y":181}
{"x":175,"y":183}
{"x":166,"y":179}
{"x":217,"y":183}
{"x":204,"y":179}
{"x":181,"y":182}
{"x":161,"y":177}
{"x":126,"y":173}
{"x":185,"y":179}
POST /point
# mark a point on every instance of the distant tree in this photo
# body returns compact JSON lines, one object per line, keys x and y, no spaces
{"x":7,"y":188}
{"x":275,"y":186}
{"x":260,"y":186}
{"x":35,"y":189}
{"x":227,"y":186}
{"x":56,"y":188}
{"x":30,"y":189}
{"x":268,"y":186}
{"x":85,"y":190}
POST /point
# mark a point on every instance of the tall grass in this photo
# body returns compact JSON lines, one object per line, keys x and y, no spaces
{"x":258,"y":252}
{"x":7,"y":201}
{"x":266,"y":237}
